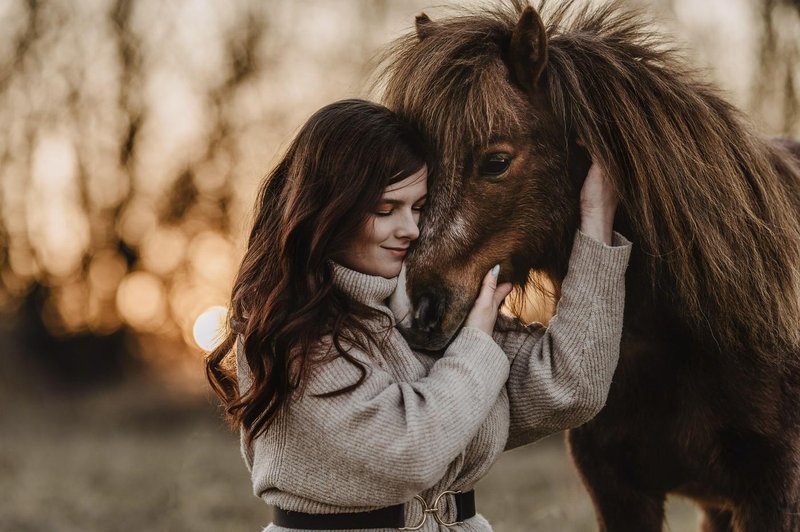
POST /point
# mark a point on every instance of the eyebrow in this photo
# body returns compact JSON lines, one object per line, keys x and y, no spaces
{"x":390,"y":201}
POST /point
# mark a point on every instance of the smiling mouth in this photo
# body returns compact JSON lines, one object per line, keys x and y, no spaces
{"x":397,"y":253}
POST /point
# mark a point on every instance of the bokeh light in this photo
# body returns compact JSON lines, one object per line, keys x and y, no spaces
{"x":209,"y":328}
{"x":162,"y":249}
{"x":136,"y":135}
{"x":141,"y":301}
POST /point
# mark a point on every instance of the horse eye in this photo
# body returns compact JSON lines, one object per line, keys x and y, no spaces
{"x":495,"y":164}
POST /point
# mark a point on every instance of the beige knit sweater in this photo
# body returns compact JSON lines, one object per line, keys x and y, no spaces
{"x":423,"y":425}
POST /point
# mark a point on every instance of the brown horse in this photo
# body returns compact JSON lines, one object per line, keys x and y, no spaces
{"x":706,"y":399}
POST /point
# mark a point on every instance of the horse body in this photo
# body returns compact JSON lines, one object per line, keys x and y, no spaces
{"x":683,"y":417}
{"x":705,"y":401}
{"x":686,"y":416}
{"x":691,"y":416}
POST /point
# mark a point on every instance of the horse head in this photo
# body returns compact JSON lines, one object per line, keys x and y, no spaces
{"x":504,"y":101}
{"x":506,"y":181}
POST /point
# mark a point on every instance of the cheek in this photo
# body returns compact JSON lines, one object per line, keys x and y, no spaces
{"x":361,"y":242}
{"x":367,"y":231}
{"x":381,"y":230}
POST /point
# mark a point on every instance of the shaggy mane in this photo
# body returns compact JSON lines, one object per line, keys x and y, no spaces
{"x":714,"y":207}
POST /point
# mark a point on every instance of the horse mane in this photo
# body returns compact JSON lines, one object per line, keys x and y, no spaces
{"x":714,"y":207}
{"x":448,"y":82}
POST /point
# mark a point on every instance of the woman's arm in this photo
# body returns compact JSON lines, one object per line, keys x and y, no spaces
{"x":385,"y":441}
{"x":560,"y":375}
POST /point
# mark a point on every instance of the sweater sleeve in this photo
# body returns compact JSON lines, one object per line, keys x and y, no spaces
{"x":385,"y":441}
{"x":560,"y":375}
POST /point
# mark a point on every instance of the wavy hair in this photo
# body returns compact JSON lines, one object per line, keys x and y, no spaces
{"x":309,"y":209}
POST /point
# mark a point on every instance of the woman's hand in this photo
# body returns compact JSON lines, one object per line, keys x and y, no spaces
{"x":598,"y":204}
{"x":484,"y":310}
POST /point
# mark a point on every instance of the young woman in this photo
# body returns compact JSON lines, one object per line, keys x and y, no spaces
{"x":343,"y":425}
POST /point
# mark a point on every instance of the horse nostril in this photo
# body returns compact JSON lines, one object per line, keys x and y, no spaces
{"x":427,"y":314}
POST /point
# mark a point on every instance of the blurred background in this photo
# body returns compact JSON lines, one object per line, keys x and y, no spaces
{"x":134,"y":136}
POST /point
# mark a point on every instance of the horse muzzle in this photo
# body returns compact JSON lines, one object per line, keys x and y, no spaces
{"x":427,"y":319}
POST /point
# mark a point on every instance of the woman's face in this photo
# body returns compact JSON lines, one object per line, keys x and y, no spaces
{"x":393,"y":224}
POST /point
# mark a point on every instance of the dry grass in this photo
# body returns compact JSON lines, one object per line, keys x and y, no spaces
{"x":140,"y":457}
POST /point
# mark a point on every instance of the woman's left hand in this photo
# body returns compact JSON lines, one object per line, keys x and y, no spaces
{"x":598,"y":204}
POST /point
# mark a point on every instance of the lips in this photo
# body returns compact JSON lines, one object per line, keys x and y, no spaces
{"x":396,"y":252}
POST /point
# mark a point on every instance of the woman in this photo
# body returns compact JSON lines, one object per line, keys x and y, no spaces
{"x":343,"y":425}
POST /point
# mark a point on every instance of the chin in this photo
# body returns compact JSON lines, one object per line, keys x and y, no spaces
{"x":390,"y":273}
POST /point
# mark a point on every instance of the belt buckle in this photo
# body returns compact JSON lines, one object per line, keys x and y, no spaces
{"x":432,"y":510}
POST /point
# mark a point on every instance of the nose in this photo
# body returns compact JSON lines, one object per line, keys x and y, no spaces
{"x":408,"y":228}
{"x":428,"y":313}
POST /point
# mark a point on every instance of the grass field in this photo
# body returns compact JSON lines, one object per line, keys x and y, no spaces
{"x":140,"y":457}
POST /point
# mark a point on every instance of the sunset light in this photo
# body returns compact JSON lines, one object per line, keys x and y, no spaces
{"x":174,"y":174}
{"x":208,"y":328}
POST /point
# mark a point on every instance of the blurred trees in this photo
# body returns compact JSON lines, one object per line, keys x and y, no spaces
{"x":135,"y":135}
{"x":776,"y":93}
{"x":118,"y":159}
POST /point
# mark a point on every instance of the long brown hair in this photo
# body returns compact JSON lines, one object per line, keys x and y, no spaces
{"x":308,"y":210}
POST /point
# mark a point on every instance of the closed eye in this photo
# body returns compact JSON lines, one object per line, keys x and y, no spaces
{"x":389,"y":213}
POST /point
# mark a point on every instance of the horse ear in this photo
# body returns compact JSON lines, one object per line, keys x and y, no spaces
{"x":528,"y":50}
{"x":425,"y":26}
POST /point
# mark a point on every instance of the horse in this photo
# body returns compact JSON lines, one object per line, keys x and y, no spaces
{"x":705,"y":401}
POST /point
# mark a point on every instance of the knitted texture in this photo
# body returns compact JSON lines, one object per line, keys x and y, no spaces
{"x":420,"y":425}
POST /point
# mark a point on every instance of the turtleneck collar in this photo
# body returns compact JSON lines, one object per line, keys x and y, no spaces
{"x":372,"y":290}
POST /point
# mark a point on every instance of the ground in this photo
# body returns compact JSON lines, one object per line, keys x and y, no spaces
{"x":142,"y":456}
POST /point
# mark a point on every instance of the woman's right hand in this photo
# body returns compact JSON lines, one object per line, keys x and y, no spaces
{"x":484,"y":310}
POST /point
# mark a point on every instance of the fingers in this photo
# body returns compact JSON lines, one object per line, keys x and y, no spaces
{"x":598,"y":203}
{"x":597,"y":171}
{"x":598,"y":189}
{"x":500,"y":294}
{"x":489,"y":285}
{"x":484,"y":311}
{"x":490,"y":280}
{"x":491,"y":293}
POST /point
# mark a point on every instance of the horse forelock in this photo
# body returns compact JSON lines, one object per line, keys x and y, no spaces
{"x":454,"y":87}
{"x":714,"y":206}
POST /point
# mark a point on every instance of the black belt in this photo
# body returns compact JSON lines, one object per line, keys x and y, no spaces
{"x":389,"y":517}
